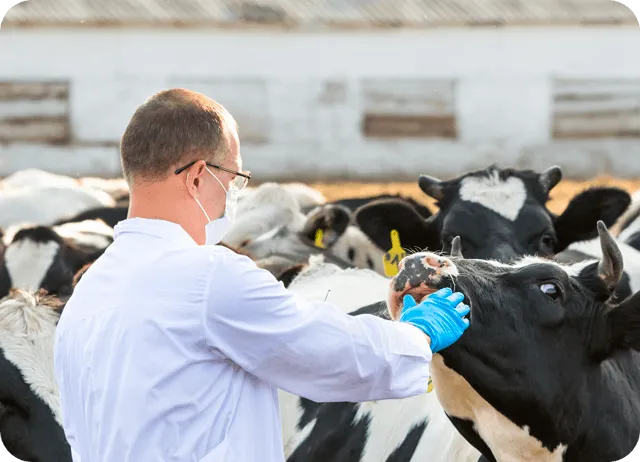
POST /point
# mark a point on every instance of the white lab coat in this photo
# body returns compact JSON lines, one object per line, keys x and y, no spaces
{"x":169,"y":351}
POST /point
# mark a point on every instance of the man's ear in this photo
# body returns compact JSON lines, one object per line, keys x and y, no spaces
{"x":579,"y":219}
{"x":378,"y":218}
{"x":193,"y":177}
{"x":331,"y":219}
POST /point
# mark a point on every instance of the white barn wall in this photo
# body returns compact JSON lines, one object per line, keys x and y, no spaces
{"x":299,"y":126}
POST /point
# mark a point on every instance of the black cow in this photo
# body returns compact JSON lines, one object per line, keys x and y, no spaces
{"x":499,"y":214}
{"x":549,"y":368}
{"x":110,"y":215}
{"x":5,"y":282}
{"x":354,"y":203}
{"x":43,"y":257}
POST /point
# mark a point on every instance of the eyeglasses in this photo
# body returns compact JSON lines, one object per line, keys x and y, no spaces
{"x":239,"y":181}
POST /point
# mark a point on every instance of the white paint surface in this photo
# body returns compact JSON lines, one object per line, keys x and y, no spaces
{"x":502,"y":100}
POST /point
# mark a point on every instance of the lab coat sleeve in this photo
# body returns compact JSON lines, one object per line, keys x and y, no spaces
{"x":311,"y":349}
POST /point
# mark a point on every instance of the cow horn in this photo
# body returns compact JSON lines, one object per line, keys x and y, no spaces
{"x":611,"y":264}
{"x":431,"y":186}
{"x":550,"y":178}
{"x":456,"y":247}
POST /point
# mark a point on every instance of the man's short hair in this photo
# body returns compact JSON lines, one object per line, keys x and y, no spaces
{"x":171,"y":129}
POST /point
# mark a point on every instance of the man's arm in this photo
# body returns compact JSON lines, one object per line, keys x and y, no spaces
{"x":312,"y":350}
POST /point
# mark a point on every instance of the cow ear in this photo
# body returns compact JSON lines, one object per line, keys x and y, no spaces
{"x":550,"y":178}
{"x":431,"y":186}
{"x":621,"y":329}
{"x":378,"y":218}
{"x":578,"y":221}
{"x":332,"y":219}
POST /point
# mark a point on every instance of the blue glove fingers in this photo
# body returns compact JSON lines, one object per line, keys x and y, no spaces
{"x":408,"y":301}
{"x":442,"y":293}
{"x":455,"y":298}
{"x":463,"y":309}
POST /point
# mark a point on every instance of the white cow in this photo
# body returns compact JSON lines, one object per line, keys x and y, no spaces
{"x":45,"y":204}
{"x":32,"y":425}
{"x":268,"y":206}
{"x":340,"y":239}
{"x":26,"y":178}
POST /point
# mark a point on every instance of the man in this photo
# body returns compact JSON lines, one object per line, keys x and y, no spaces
{"x":171,"y":350}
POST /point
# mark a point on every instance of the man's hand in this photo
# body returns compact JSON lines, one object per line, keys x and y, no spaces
{"x":440,"y":317}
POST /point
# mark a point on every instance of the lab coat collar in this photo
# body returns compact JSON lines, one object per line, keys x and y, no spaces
{"x":166,"y":230}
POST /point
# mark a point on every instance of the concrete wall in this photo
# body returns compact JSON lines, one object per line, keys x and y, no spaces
{"x":300,"y":101}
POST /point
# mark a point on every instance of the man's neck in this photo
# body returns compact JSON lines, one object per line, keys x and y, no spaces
{"x":161,"y":202}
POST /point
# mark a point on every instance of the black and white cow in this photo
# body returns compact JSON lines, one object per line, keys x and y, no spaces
{"x":499,"y":214}
{"x":42,"y":257}
{"x":342,"y":240}
{"x":30,"y":416}
{"x":412,"y":429}
{"x":549,"y":369}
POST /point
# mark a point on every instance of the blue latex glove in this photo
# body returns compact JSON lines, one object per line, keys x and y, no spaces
{"x":440,"y":316}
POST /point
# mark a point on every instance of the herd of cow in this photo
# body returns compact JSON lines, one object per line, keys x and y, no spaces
{"x":549,"y":369}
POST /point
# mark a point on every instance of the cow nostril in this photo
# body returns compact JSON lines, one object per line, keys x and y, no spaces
{"x":436,"y":262}
{"x":433,"y":262}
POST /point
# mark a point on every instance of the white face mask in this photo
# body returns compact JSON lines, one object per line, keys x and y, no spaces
{"x":216,"y":229}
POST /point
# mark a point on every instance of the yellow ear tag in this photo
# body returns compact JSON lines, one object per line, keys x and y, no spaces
{"x":430,"y":386}
{"x":392,"y":258}
{"x":319,"y":238}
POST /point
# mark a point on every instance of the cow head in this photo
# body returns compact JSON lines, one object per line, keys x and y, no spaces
{"x":548,"y":369}
{"x":42,"y":257}
{"x":338,"y":239}
{"x":499,"y":214}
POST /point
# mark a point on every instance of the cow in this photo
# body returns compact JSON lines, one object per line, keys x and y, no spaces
{"x":30,"y":420}
{"x":342,"y":239}
{"x":413,"y":428}
{"x":109,"y":215}
{"x":549,"y":368}
{"x":629,"y":223}
{"x":268,"y":206}
{"x":498,"y":213}
{"x":346,"y":245}
{"x":418,"y":427}
{"x":42,"y":257}
{"x":26,"y":178}
{"x":354,"y":203}
{"x":46,"y":204}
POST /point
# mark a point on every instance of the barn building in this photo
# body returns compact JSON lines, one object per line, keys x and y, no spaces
{"x":331,"y":89}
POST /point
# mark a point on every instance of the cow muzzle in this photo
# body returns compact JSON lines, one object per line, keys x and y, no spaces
{"x":419,"y":275}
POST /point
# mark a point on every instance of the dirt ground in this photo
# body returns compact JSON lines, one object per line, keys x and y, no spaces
{"x":560,"y":195}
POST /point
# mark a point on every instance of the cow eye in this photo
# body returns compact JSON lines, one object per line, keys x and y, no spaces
{"x":547,"y":241}
{"x":550,"y":290}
